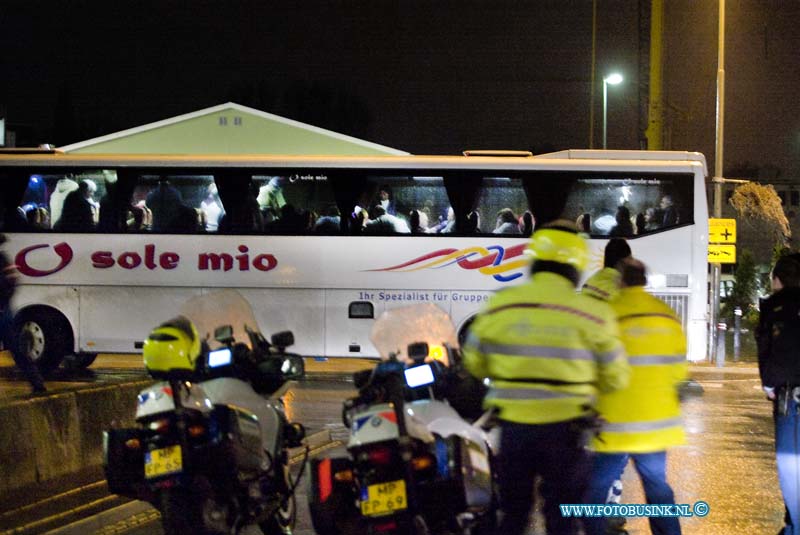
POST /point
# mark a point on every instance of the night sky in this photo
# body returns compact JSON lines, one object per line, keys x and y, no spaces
{"x":431,"y":77}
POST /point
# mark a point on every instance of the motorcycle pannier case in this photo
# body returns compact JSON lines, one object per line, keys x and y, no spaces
{"x":330,"y":500}
{"x":124,"y":464}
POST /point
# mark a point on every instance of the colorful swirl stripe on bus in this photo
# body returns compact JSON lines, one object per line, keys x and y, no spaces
{"x":494,"y":260}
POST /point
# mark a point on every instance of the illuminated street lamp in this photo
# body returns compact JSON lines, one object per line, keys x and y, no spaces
{"x":612,"y":79}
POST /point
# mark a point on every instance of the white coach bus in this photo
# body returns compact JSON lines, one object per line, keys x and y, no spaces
{"x":109,"y":246}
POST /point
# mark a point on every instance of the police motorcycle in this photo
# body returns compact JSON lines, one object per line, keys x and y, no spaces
{"x":210,"y":451}
{"x":413,"y":464}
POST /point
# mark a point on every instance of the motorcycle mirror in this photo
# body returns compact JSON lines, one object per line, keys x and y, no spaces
{"x":293,"y":367}
{"x":283,"y":339}
{"x":361,"y":378}
{"x":224,"y":334}
{"x":418,"y":351}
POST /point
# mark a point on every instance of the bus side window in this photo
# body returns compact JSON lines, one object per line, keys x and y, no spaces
{"x":174,"y":204}
{"x":57,"y":201}
{"x":501,"y":206}
{"x":299,"y":202}
{"x":613,"y":206}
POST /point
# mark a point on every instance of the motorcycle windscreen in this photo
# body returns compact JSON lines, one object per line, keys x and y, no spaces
{"x":217,"y":309}
{"x":397,"y":328}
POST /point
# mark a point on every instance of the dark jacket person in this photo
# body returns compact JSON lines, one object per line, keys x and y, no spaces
{"x":778,"y":338}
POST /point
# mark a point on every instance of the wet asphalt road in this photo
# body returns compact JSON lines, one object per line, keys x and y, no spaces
{"x":728,"y":461}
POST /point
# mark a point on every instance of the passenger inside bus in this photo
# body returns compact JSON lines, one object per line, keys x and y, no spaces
{"x":669,"y":214}
{"x":640,"y":224}
{"x":139,"y":218}
{"x":64,"y":187}
{"x":78,"y":212}
{"x":623,"y":227}
{"x":271,"y":198}
{"x":473,"y":225}
{"x":445,"y":225}
{"x":329,"y":222}
{"x":164,"y":201}
{"x":650,"y":219}
{"x":526,"y":224}
{"x":507,"y":222}
{"x":584,"y":223}
{"x":418,"y":221}
{"x":381,"y":222}
{"x":211,"y":207}
{"x":385,"y":200}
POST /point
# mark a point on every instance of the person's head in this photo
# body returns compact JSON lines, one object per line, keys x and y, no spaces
{"x":666,"y":201}
{"x":413,"y":220}
{"x":640,"y":223}
{"x":473,"y":221}
{"x":584,"y":223}
{"x":87,"y":188}
{"x":623,"y":215}
{"x":385,"y":193}
{"x":650,"y":215}
{"x":616,"y":250}
{"x":526,"y":223}
{"x":211,"y":191}
{"x":377,"y":211}
{"x":786,"y":273}
{"x":506,"y":215}
{"x":558,"y":248}
{"x":633,"y":271}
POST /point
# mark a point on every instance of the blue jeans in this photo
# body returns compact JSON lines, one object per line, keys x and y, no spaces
{"x":555,"y":452}
{"x":652,"y":469}
{"x":787,"y":451}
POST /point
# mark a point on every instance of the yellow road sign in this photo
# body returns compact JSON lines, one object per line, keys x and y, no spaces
{"x":721,"y":230}
{"x":721,"y":254}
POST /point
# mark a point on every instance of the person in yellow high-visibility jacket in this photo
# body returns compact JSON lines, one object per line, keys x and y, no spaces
{"x":605,"y":285}
{"x":644,"y":419}
{"x":547,"y":351}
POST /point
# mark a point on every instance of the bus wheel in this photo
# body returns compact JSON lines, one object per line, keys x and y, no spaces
{"x":44,"y":335}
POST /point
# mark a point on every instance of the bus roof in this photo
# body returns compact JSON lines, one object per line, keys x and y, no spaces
{"x":594,"y":154}
{"x":680,"y":161}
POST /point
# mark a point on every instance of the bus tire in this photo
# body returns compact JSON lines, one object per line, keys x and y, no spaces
{"x":44,"y":335}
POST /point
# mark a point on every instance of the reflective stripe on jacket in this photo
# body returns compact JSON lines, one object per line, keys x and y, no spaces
{"x":603,"y":285}
{"x":645,"y":416}
{"x":547,"y":351}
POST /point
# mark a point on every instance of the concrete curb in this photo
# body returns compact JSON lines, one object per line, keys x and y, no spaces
{"x":51,"y":437}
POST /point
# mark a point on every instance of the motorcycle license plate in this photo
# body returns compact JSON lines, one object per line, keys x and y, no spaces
{"x":162,"y":461}
{"x":384,"y":498}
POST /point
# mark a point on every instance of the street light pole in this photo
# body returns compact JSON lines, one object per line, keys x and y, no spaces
{"x":612,"y":79}
{"x":718,"y":179}
{"x":592,"y":75}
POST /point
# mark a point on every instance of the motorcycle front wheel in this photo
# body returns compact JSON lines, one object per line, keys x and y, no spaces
{"x":182,"y":513}
{"x":283,"y":520}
